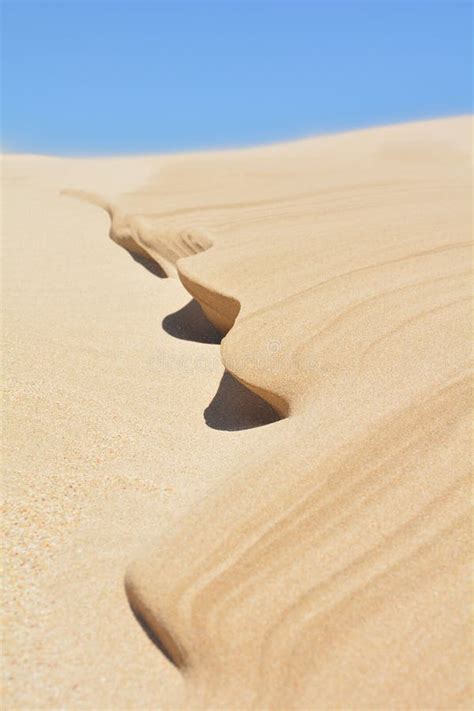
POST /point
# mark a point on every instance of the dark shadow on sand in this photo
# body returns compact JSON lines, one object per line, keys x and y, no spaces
{"x":235,"y":407}
{"x":159,"y":644}
{"x":190,"y":324}
{"x":150,"y":265}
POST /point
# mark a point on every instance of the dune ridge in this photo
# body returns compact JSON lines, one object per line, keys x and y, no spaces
{"x":218,"y":282}
{"x":138,"y":236}
{"x":325,"y":562}
{"x":340,"y":309}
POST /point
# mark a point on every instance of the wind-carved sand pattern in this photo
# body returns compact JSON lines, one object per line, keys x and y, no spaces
{"x":145,"y":241}
{"x":334,"y":572}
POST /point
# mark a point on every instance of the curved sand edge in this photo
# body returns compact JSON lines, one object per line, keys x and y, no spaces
{"x":356,"y":347}
{"x":321,"y":561}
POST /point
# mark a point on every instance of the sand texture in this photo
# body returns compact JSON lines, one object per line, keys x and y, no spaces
{"x":290,"y":506}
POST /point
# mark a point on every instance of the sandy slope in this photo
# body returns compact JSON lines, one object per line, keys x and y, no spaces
{"x":318,"y":562}
{"x":105,"y":440}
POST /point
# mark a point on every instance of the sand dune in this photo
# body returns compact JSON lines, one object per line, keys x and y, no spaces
{"x":321,"y":561}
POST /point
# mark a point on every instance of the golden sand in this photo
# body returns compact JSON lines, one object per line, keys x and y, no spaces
{"x":310,"y":550}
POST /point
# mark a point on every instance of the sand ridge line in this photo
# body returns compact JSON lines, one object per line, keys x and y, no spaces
{"x":306,"y":569}
{"x":142,"y":239}
{"x":167,"y":248}
{"x":358,"y":319}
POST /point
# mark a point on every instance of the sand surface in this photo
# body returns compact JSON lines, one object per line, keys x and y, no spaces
{"x":307,"y":550}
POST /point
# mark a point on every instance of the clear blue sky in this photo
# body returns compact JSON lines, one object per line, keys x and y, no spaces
{"x":127,"y":76}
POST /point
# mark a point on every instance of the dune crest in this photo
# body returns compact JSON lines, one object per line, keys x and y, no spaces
{"x":139,"y":236}
{"x":346,"y":307}
{"x":318,"y":558}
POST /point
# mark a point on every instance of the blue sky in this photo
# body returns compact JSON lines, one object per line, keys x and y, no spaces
{"x":130,"y":76}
